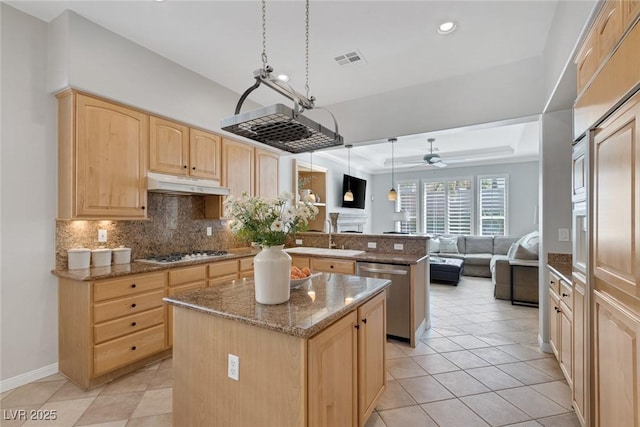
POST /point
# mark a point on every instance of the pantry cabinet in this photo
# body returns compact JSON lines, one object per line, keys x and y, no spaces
{"x":102,"y":152}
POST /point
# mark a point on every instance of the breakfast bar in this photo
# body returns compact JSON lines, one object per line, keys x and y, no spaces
{"x":316,"y":360}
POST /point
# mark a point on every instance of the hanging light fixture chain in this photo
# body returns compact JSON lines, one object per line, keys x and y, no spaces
{"x":306,"y":54}
{"x":264,"y":34}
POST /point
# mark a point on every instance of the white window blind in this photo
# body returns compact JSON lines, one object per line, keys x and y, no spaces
{"x":448,"y":207}
{"x":408,"y":202}
{"x":493,"y":201}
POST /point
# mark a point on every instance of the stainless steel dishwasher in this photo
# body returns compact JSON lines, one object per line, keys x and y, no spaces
{"x":398,"y":295}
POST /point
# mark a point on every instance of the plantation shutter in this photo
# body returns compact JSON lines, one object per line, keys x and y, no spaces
{"x":408,"y":202}
{"x":460,"y":200}
{"x":493,"y":206}
{"x":435,"y":213}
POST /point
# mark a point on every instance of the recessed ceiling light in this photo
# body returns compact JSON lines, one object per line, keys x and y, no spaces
{"x":283,"y":77}
{"x":447,"y":27}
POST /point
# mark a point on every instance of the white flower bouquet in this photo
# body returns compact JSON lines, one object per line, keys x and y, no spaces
{"x":267,"y":222}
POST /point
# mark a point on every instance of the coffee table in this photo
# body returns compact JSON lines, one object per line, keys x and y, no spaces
{"x":446,"y":269}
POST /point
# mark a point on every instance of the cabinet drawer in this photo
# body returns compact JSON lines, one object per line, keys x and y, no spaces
{"x":246,"y":264}
{"x":566,"y":294}
{"x":554,"y":283}
{"x":126,"y":306}
{"x":333,"y":265}
{"x":126,"y":325}
{"x":117,"y":288}
{"x":222,"y":279}
{"x":122,"y":351}
{"x":223,"y":268}
{"x":179,"y":276}
{"x":184,"y":288}
{"x":300,"y":261}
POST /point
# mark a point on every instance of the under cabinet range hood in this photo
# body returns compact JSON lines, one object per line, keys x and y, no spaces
{"x":182,"y":185}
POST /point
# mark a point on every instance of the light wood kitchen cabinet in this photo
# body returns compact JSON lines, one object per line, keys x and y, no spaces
{"x":608,"y":27}
{"x":301,"y":261}
{"x":333,"y":265}
{"x":579,"y":172}
{"x":616,"y":363}
{"x":102,"y":156}
{"x":246,"y":267}
{"x":580,"y":350}
{"x":586,"y":61}
{"x":238,"y":167}
{"x":353,"y":346}
{"x":554,"y":321}
{"x":108,"y":328}
{"x":183,"y":280}
{"x":222,"y":271}
{"x":631,"y":9}
{"x":267,"y":171}
{"x":176,"y":149}
{"x":561,"y":323}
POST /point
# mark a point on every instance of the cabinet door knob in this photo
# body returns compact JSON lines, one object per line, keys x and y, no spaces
{"x":133,"y":305}
{"x":194,"y":168}
{"x":133,"y":285}
{"x":185,"y":166}
{"x":357,"y":326}
{"x":142,"y":207}
{"x":364,"y":320}
{"x":565,"y":295}
{"x":133,"y":323}
{"x":133,"y":348}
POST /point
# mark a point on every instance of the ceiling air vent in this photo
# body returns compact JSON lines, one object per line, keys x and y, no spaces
{"x":354,"y":57}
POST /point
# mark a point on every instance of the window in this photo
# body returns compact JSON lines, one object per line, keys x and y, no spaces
{"x":448,"y":206}
{"x":492,"y":199}
{"x":408,"y":202}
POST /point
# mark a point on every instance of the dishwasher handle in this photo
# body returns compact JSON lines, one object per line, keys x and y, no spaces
{"x":383,"y":271}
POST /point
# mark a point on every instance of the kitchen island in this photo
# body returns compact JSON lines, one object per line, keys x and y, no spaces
{"x":317,"y":360}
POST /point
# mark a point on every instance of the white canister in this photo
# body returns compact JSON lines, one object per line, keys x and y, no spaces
{"x":121,"y":255}
{"x":101,"y":257}
{"x":79,"y":258}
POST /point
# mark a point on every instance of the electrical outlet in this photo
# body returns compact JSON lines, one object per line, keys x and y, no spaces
{"x":371,"y":245}
{"x":298,"y":241}
{"x":234,"y":367}
{"x":563,"y":234}
{"x":398,"y":246}
{"x":102,"y":236}
{"x":209,"y":231}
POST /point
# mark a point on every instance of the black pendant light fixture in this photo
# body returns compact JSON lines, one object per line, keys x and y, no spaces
{"x":393,"y":194}
{"x":348,"y":195}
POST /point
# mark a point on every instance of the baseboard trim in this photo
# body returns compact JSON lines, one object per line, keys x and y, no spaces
{"x":27,"y":377}
{"x":544,"y":346}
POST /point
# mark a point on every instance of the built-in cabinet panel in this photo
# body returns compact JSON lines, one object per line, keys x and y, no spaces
{"x":608,"y":27}
{"x":204,"y":154}
{"x":616,"y":199}
{"x":238,"y":171}
{"x":266,"y":173}
{"x":168,"y":146}
{"x":579,"y":169}
{"x":580,"y":394}
{"x":616,"y":363}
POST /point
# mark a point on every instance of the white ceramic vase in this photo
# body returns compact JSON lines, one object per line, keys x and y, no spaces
{"x":271,"y":272}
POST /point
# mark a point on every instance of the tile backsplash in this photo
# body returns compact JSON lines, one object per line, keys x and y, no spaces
{"x":176,"y":223}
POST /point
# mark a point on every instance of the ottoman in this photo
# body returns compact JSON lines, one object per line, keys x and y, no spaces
{"x":445,"y":269}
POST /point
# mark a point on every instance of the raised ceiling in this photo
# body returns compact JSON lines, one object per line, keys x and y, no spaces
{"x":222,"y":40}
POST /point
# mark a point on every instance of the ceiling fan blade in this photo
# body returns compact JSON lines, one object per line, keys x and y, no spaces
{"x":440,"y":164}
{"x":413,"y":162}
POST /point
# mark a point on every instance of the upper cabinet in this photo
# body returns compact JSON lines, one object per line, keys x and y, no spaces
{"x":102,"y":149}
{"x":267,"y":163}
{"x":238,"y":172}
{"x":179,"y":150}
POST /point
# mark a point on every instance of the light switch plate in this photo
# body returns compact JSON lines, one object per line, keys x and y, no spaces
{"x":209,"y":231}
{"x":298,"y":241}
{"x":398,"y":246}
{"x":371,"y":245}
{"x":563,"y":234}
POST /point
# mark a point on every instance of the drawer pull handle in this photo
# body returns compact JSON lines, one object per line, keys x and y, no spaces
{"x":133,"y":305}
{"x":133,"y":285}
{"x":133,"y":348}
{"x":185,"y":166}
{"x":331,"y":266}
{"x":553,"y":283}
{"x":357,"y":326}
{"x":133,"y":324}
{"x":364,"y":320}
{"x":142,"y":207}
{"x":194,"y":168}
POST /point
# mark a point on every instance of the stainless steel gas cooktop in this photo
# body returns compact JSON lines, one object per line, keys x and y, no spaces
{"x":180,"y":257}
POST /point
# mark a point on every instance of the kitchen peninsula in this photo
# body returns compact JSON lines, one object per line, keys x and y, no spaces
{"x":316,"y":360}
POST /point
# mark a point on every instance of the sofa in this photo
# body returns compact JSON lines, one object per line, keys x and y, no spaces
{"x":489,"y":256}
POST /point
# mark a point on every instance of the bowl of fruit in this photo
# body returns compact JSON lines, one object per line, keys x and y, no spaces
{"x":299,"y":275}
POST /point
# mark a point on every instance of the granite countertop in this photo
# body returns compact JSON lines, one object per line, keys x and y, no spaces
{"x":312,"y":307}
{"x":118,"y":270}
{"x":564,"y":270}
{"x":112,"y":271}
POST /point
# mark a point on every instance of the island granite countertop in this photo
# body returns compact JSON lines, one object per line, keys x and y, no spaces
{"x":314,"y":305}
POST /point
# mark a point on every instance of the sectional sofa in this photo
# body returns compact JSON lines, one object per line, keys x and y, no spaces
{"x":490,"y":256}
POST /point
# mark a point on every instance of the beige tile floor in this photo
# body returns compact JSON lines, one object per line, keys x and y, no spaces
{"x":477,"y":366}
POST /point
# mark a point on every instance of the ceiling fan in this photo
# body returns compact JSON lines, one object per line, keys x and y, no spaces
{"x":431,"y":159}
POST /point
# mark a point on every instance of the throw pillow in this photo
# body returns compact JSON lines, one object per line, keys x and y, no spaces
{"x":434,"y":245}
{"x":524,"y":253}
{"x":449,"y":245}
{"x":512,"y":251}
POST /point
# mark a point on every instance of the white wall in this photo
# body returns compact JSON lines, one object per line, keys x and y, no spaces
{"x":334,"y":184}
{"x":522,"y":198}
{"x":29,"y":310}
